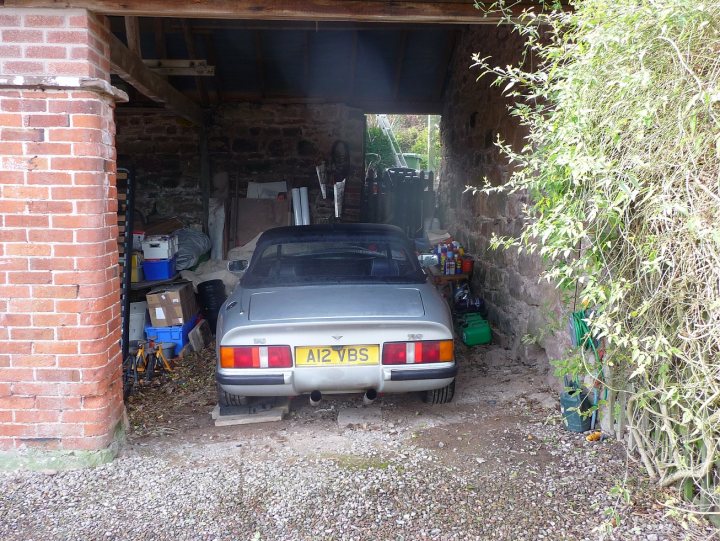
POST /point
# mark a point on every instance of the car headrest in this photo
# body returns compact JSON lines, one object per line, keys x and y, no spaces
{"x":382,"y":266}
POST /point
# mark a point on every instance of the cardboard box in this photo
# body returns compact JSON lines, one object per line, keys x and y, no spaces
{"x":173,"y":304}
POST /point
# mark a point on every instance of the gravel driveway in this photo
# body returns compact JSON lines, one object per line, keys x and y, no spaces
{"x":494,"y":465}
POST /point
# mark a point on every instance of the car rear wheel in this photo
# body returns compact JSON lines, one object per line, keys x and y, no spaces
{"x":227,"y":399}
{"x":440,"y":396}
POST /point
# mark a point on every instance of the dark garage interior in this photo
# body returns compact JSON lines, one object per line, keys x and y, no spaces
{"x":202,"y":111}
{"x":283,"y":92}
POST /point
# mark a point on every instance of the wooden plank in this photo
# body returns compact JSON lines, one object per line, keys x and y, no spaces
{"x":190,"y":46}
{"x":205,"y":181}
{"x":241,"y":415}
{"x":211,"y":52}
{"x":254,"y":216}
{"x":132,"y":32}
{"x":131,"y":68}
{"x":399,"y":106}
{"x":427,"y":11}
{"x":160,"y":47}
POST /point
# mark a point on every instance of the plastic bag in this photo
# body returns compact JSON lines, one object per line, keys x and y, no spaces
{"x":191,"y":245}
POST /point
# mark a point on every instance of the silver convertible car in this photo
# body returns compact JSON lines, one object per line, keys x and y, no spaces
{"x":334,"y":309}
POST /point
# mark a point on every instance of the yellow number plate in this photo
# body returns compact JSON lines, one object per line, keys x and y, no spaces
{"x":337,"y":356}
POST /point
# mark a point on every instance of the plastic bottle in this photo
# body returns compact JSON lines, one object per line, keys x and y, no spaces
{"x":450,"y":265}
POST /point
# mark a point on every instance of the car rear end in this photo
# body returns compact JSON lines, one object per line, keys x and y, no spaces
{"x":384,"y":335}
{"x":336,"y":357}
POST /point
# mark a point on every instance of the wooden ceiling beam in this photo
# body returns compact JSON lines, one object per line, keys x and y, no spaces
{"x":160,"y":45}
{"x":132,"y":32}
{"x":211,"y":51}
{"x":190,"y":46}
{"x":131,"y":69}
{"x":368,"y":105}
{"x":418,"y":11}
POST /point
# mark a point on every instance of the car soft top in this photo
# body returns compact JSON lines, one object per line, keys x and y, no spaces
{"x":319,"y":232}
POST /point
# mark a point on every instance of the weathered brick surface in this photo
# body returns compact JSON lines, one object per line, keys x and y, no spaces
{"x":475,"y":116}
{"x":67,"y":42}
{"x":59,"y":356}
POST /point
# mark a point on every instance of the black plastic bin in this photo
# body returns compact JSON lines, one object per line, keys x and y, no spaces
{"x":212,"y":296}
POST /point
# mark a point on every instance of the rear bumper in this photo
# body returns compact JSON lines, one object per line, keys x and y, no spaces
{"x":293,"y":382}
{"x":428,"y":373}
{"x":259,"y":379}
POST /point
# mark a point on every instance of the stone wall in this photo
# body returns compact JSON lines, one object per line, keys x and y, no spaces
{"x":475,"y":116}
{"x":247,"y":142}
{"x":163,"y":152}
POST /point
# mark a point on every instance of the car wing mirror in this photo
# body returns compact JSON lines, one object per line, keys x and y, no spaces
{"x":428,"y":260}
{"x":237,"y":265}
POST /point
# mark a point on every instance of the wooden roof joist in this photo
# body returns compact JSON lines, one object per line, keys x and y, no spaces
{"x":417,"y":11}
{"x":130,"y":67}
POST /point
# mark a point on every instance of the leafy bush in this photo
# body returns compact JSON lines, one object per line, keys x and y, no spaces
{"x":622,"y":162}
{"x":377,"y":144}
{"x":411,"y":133}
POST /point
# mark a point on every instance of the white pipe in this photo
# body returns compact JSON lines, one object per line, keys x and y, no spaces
{"x":304,"y":206}
{"x":297,"y":209}
{"x":339,"y":192}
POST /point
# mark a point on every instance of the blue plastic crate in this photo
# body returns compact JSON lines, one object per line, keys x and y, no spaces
{"x":159,"y":269}
{"x":177,"y":334}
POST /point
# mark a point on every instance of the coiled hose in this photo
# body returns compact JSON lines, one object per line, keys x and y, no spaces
{"x":581,"y":337}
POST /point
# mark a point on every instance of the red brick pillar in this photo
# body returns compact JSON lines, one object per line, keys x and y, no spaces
{"x":60,"y":366}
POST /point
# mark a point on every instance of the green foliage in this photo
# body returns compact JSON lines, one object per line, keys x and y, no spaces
{"x":376,"y":143}
{"x":411,"y":133}
{"x":622,"y":163}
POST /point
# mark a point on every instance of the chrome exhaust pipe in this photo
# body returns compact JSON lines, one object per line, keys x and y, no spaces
{"x":315,"y":398}
{"x":369,"y":397}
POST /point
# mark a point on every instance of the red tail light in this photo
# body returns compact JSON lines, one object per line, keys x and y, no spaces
{"x":428,"y":351}
{"x":255,"y":357}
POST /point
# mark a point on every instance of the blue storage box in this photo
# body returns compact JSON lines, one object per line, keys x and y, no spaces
{"x":177,"y":334}
{"x":159,"y":269}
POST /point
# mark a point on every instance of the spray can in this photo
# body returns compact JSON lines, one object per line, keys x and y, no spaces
{"x":450,"y":265}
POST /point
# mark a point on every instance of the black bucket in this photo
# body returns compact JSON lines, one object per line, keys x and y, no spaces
{"x":212,"y":296}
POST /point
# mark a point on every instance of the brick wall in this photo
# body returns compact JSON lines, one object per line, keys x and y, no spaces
{"x":475,"y":115}
{"x":51,"y":42}
{"x":249,"y":142}
{"x":59,"y":291}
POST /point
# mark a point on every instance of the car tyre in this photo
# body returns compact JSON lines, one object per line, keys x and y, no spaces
{"x":440,"y":396}
{"x":227,"y":399}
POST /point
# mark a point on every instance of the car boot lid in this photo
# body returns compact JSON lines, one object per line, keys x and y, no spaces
{"x":329,"y":302}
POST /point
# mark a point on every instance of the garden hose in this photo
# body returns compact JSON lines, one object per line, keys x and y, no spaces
{"x":581,"y":337}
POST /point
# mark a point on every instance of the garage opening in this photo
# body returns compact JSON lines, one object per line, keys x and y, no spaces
{"x":211,"y":111}
{"x":299,"y":106}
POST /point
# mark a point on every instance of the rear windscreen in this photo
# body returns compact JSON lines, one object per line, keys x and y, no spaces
{"x":333,"y":261}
